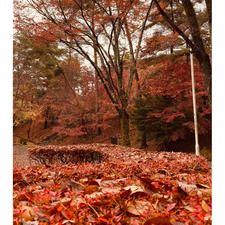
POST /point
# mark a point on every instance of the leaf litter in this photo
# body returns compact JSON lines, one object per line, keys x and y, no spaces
{"x":130,"y":187}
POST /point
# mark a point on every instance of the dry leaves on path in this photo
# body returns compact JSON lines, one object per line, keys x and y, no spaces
{"x":131,"y":187}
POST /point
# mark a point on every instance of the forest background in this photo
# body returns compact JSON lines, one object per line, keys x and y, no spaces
{"x":218,"y":105}
{"x":140,"y":88}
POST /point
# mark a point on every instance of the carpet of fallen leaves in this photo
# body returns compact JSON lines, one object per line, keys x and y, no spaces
{"x":130,"y":187}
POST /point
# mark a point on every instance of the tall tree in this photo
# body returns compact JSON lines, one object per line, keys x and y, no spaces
{"x":70,"y":22}
{"x":196,"y":42}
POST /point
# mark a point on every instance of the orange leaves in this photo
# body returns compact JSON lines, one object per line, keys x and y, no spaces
{"x":160,"y":42}
{"x":138,"y":207}
{"x":91,"y":189}
{"x":162,"y":220}
{"x":132,"y":188}
{"x":167,"y":89}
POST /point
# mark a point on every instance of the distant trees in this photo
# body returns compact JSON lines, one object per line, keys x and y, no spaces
{"x":33,"y":73}
{"x":52,"y":88}
{"x":119,"y":39}
{"x":165,"y":112}
{"x":175,"y":22}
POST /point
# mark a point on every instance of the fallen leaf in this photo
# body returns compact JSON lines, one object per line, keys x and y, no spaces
{"x":136,"y":190}
{"x":93,"y":182}
{"x":202,"y":186}
{"x":137,"y":207}
{"x":163,"y":171}
{"x":77,"y":201}
{"x":30,"y":222}
{"x":206,"y":192}
{"x":125,"y":194}
{"x":170,"y":206}
{"x":28,"y":214}
{"x":68,"y":221}
{"x":205,"y":206}
{"x":65,"y":200}
{"x":187,"y":187}
{"x":208,"y":218}
{"x":147,"y":182}
{"x":157,"y":195}
{"x":91,"y":189}
{"x":83,"y":180}
{"x":111,"y":190}
{"x":189,"y":208}
{"x":160,"y":220}
{"x":179,"y":194}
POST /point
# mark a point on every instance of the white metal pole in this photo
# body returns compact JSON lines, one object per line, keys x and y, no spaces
{"x":197,"y":152}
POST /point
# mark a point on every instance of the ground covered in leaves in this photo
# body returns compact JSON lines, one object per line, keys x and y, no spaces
{"x":128,"y":186}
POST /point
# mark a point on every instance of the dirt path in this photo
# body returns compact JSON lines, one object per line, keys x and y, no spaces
{"x":20,"y":156}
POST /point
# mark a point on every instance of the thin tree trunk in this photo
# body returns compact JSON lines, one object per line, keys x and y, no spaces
{"x":172,"y":18}
{"x":98,"y":129}
{"x":143,"y":139}
{"x":125,"y":128}
{"x":209,"y":11}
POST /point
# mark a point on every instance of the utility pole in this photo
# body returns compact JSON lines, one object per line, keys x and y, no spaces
{"x":197,"y":152}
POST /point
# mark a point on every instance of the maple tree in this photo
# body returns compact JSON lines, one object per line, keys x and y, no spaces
{"x":107,"y":29}
{"x":161,"y":48}
{"x":53,"y":93}
{"x":75,"y":118}
{"x":78,"y":64}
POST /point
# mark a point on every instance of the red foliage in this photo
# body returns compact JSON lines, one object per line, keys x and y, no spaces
{"x":132,"y":188}
{"x":172,"y":78}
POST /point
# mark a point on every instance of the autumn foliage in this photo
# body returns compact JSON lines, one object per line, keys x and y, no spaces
{"x":132,"y":187}
{"x":165,"y":110}
{"x":89,"y":71}
{"x":107,"y":36}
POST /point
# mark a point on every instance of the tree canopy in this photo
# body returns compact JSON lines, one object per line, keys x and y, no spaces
{"x":120,"y":40}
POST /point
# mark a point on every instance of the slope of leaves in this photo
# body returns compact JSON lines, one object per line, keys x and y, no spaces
{"x":65,"y":154}
{"x":132,"y":187}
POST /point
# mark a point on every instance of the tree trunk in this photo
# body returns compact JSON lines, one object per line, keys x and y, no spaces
{"x":125,"y":129}
{"x":206,"y":69}
{"x":143,"y":139}
{"x":29,"y":129}
{"x":199,"y":50}
{"x":98,"y":129}
{"x":209,"y":11}
{"x":46,"y":124}
{"x":196,"y":44}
